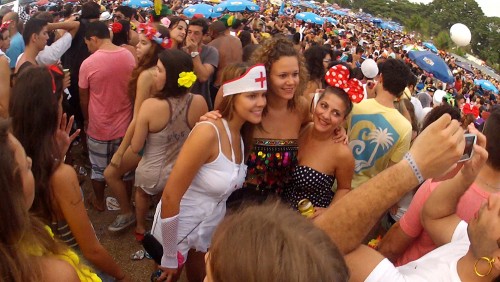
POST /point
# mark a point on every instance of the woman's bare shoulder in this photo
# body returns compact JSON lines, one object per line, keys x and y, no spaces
{"x":56,"y":270}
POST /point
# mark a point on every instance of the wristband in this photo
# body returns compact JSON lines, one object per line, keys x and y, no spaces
{"x":414,"y":167}
{"x":169,"y":227}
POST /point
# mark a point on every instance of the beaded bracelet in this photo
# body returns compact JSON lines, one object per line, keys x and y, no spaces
{"x":490,"y":262}
{"x":414,"y":167}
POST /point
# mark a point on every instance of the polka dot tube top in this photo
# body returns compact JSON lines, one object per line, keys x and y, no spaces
{"x":309,"y":184}
{"x":270,"y":164}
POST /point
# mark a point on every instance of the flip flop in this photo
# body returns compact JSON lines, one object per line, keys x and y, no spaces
{"x":112,"y":204}
{"x":137,"y":255}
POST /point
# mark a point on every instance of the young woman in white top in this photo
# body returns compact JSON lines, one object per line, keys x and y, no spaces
{"x":209,"y":168}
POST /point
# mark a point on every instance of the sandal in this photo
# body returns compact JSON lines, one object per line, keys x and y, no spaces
{"x":137,"y":255}
{"x":112,"y":204}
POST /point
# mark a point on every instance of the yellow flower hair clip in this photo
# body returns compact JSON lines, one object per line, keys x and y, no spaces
{"x":186,"y":79}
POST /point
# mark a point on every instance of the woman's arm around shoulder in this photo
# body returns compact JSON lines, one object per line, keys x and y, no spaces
{"x":200,"y":147}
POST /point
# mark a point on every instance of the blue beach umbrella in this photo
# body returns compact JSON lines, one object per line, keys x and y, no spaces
{"x":387,"y":25}
{"x":309,"y":5}
{"x":430,"y":46}
{"x":467,"y":67}
{"x":486,"y":85}
{"x":432,"y":63}
{"x":236,"y":6}
{"x":309,"y":17}
{"x":331,"y":20}
{"x":203,"y":9}
{"x":337,"y":12}
{"x":138,"y":3}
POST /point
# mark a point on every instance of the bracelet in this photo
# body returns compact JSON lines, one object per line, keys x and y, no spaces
{"x":490,"y":262}
{"x":408,"y":157}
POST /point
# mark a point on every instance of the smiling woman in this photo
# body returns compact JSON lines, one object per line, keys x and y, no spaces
{"x":321,"y":160}
{"x":209,"y":168}
{"x":273,"y":154}
{"x":178,"y":30}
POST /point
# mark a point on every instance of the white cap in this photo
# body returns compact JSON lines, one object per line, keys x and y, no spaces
{"x":438,"y":97}
{"x":369,"y":68}
{"x":254,"y":79}
{"x":105,"y":16}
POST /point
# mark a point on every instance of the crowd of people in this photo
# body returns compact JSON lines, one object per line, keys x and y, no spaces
{"x":221,"y":129}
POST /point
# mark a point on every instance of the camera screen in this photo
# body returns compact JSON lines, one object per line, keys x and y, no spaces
{"x":469,"y":145}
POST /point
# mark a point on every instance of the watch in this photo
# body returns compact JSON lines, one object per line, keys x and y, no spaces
{"x":194,"y":54}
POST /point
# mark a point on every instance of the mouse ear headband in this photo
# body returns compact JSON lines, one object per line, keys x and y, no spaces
{"x":338,"y":76}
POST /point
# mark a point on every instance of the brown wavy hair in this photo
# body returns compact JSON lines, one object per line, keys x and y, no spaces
{"x":271,"y":51}
{"x":146,"y":62}
{"x":270,"y":242}
{"x":34,"y":109}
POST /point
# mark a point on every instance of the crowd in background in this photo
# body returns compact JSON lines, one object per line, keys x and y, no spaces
{"x":219,"y":128}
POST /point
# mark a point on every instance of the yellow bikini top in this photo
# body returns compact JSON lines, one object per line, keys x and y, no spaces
{"x":84,"y":272}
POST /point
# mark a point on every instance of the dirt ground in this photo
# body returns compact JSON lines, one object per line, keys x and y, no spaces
{"x":121,"y":245}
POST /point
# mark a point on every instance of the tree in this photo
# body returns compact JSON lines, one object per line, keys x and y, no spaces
{"x":436,"y":18}
{"x":443,"y":41}
{"x":445,"y":13}
{"x":415,"y":23}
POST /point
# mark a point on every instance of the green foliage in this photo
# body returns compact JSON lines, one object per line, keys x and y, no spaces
{"x":443,"y":40}
{"x":435,"y":20}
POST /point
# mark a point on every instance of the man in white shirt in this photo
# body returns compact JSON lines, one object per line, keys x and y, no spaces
{"x":51,"y":54}
{"x":64,"y":36}
{"x":467,"y":252}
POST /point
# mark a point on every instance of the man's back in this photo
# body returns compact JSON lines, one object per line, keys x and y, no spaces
{"x":106,"y":74}
{"x":379,"y":135}
{"x":230,"y":51}
{"x":16,"y":48}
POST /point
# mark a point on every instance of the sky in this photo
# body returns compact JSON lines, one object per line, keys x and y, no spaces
{"x":491,"y":8}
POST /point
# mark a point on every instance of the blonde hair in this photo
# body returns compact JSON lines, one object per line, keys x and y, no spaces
{"x":270,"y":242}
{"x":270,"y":52}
